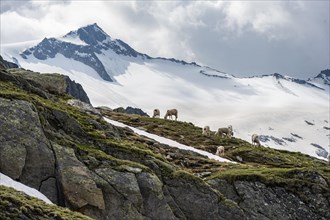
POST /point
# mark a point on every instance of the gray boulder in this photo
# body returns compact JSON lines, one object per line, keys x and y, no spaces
{"x":26,"y":154}
{"x":77,"y":181}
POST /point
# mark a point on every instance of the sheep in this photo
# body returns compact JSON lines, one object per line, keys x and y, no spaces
{"x":220,"y":151}
{"x":170,"y":113}
{"x":156,"y":113}
{"x":226,"y":131}
{"x":255,"y":140}
{"x":206,"y":130}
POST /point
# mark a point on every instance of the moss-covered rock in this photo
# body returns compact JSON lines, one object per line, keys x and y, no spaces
{"x":17,"y":205}
{"x":22,"y":141}
{"x":76,"y":180}
{"x":53,"y":83}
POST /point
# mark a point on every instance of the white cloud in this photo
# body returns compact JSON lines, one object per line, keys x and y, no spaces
{"x":240,"y":37}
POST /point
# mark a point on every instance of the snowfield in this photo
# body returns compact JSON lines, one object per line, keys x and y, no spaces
{"x":275,"y":107}
{"x":9,"y":182}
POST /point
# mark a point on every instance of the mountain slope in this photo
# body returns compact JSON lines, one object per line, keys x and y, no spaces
{"x":290,"y":114}
{"x":107,"y":172}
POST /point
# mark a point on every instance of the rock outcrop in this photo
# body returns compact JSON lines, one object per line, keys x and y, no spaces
{"x":131,"y":110}
{"x":4,"y":64}
{"x":51,"y":83}
{"x":26,"y":154}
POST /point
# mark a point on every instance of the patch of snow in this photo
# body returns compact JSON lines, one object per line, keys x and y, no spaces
{"x":73,"y":40}
{"x":82,"y":54}
{"x":9,"y":182}
{"x":169,"y":141}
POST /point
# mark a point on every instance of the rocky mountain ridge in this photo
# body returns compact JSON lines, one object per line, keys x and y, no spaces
{"x":4,"y":64}
{"x":84,"y":45}
{"x":107,"y":172}
{"x":323,"y":76}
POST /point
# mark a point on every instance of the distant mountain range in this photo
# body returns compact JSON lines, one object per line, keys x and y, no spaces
{"x":114,"y":74}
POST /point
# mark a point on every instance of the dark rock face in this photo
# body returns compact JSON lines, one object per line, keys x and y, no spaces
{"x":260,"y":201}
{"x":22,"y":142}
{"x":136,"y":111}
{"x":76,"y":90}
{"x":5,"y":64}
{"x":73,"y":173}
{"x":197,"y":200}
{"x":320,"y":151}
{"x":265,"y":138}
{"x":325,"y":76}
{"x":130,"y":110}
{"x":155,"y":205}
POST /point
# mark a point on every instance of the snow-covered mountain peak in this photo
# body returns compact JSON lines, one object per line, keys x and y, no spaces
{"x":91,"y":34}
{"x":325,"y":76}
{"x":322,"y":79}
{"x":87,"y":45}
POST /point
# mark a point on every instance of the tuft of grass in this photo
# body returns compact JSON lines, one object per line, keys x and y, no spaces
{"x":102,"y":156}
{"x":15,"y":204}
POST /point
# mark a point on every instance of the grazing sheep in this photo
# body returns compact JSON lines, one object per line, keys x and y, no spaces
{"x":206,"y":131}
{"x":156,"y":113}
{"x":220,"y":151}
{"x":255,"y":139}
{"x":170,"y":113}
{"x":225,"y":131}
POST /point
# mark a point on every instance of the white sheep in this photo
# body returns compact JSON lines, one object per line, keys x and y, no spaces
{"x":171,"y":112}
{"x":220,"y":151}
{"x":156,"y":113}
{"x":255,"y":139}
{"x":206,"y":130}
{"x":225,"y":131}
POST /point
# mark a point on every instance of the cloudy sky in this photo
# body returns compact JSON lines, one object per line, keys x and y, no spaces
{"x":243,"y":38}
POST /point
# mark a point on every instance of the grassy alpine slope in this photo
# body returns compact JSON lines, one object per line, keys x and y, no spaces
{"x":258,"y":163}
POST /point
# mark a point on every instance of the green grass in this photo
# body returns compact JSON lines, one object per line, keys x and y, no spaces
{"x":15,"y":204}
{"x":113,"y":161}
